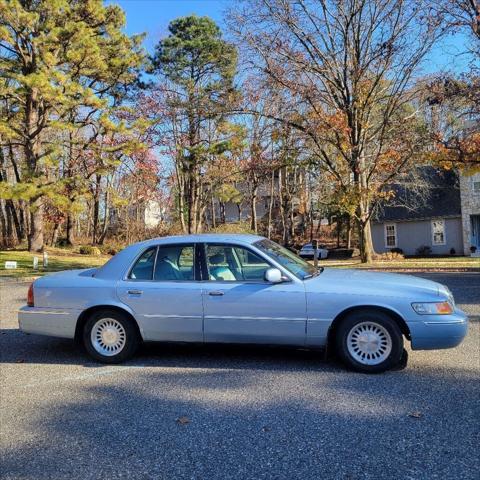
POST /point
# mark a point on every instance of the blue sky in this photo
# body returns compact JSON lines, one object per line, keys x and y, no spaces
{"x":153,"y":16}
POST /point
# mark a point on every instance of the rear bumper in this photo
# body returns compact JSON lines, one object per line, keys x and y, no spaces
{"x":48,"y":321}
{"x":439,"y":331}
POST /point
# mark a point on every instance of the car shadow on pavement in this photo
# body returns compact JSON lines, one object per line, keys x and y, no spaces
{"x":19,"y":347}
{"x":250,"y":424}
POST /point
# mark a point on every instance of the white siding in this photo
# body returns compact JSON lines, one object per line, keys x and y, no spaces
{"x":413,"y":234}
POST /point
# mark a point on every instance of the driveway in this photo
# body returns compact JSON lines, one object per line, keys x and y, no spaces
{"x":178,"y":412}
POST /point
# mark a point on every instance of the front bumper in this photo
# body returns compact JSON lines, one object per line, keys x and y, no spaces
{"x":48,"y":321}
{"x":438,"y":331}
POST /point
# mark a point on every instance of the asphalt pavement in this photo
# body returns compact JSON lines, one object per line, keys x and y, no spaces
{"x":184,"y":412}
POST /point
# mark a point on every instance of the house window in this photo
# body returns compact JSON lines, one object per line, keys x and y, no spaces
{"x":438,"y":232}
{"x":476,"y":187}
{"x":390,"y":235}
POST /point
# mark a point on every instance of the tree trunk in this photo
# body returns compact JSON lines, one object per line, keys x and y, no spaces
{"x":11,"y":217}
{"x":270,"y":205}
{"x":106,"y":217}
{"x":15,"y":219}
{"x":10,"y":212}
{"x":292,"y":223}
{"x":363,"y":215}
{"x":181,"y":199}
{"x":6,"y":223}
{"x":253,"y":209}
{"x":32,"y":154}
{"x":214,"y":220}
{"x":311,"y":224}
{"x":69,"y":230}
{"x":198,"y":204}
{"x":23,"y":219}
{"x":3,"y":225}
{"x":56,"y":231}
{"x":201,"y":217}
{"x":222,"y":212}
{"x":339,"y":229}
{"x":349,"y":232}
{"x":35,"y":237}
{"x":96,"y":209}
{"x":281,"y":207}
{"x":366,"y":244}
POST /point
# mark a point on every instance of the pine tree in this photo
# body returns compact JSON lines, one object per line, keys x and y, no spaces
{"x":200,"y":66}
{"x":65,"y":65}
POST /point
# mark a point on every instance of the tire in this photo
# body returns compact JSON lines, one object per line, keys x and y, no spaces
{"x":110,"y":336}
{"x":369,"y":341}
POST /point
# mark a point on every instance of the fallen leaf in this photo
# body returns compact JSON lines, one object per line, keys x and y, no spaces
{"x":416,"y":414}
{"x":183,"y":420}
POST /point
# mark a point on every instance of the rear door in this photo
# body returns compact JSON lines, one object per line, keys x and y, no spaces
{"x":241,"y":307}
{"x":164,"y":294}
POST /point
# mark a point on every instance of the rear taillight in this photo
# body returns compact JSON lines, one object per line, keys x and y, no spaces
{"x":30,"y":300}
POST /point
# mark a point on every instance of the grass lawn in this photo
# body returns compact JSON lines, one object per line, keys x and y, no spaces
{"x":58,"y":259}
{"x":414,"y":264}
{"x":62,"y":259}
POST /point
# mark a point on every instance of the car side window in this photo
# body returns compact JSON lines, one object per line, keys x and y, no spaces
{"x":143,"y":268}
{"x":229,"y":263}
{"x":175,"y":262}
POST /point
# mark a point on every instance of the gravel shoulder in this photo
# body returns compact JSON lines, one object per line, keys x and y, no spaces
{"x":184,"y":412}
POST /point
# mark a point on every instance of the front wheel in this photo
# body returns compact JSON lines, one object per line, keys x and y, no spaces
{"x":110,"y":336}
{"x":369,"y":341}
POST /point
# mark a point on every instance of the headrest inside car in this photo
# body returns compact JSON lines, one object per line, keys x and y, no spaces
{"x":217,"y":258}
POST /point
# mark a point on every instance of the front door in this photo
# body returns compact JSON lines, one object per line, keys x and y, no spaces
{"x":163,"y":294}
{"x":241,"y":307}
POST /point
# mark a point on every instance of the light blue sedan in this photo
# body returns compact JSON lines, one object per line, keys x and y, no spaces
{"x":241,"y":289}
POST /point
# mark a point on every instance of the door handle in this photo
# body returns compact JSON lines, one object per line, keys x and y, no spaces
{"x":134,"y":292}
{"x":216,"y":293}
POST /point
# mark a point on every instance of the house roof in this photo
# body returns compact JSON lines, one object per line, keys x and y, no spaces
{"x":440,"y":199}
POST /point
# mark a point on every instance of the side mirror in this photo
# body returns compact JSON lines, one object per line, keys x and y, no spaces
{"x":273,"y":275}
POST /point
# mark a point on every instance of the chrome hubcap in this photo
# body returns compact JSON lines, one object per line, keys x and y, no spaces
{"x":108,"y":337}
{"x":369,"y":343}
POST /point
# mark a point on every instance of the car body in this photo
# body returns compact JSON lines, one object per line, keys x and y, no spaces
{"x":307,"y":251}
{"x":239,"y":289}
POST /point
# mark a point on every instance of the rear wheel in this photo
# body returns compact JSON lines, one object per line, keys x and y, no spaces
{"x":110,"y":336}
{"x":369,"y":341}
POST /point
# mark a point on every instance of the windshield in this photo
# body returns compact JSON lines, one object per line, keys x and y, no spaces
{"x":300,"y":268}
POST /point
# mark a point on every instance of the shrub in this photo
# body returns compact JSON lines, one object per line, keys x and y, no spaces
{"x":89,"y":250}
{"x":110,"y":249}
{"x":473,"y":248}
{"x":423,"y":250}
{"x":389,"y":256}
{"x":397,"y":250}
{"x":453,"y":251}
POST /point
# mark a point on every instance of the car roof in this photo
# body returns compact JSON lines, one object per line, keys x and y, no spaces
{"x":206,"y":237}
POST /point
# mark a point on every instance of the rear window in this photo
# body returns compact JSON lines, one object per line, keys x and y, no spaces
{"x":143,"y":268}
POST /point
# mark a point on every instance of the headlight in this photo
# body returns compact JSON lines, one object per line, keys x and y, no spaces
{"x":440,"y":308}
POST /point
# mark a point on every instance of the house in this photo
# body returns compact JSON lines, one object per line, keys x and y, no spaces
{"x":443,"y":220}
{"x":148,"y":213}
{"x":470,"y":204}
